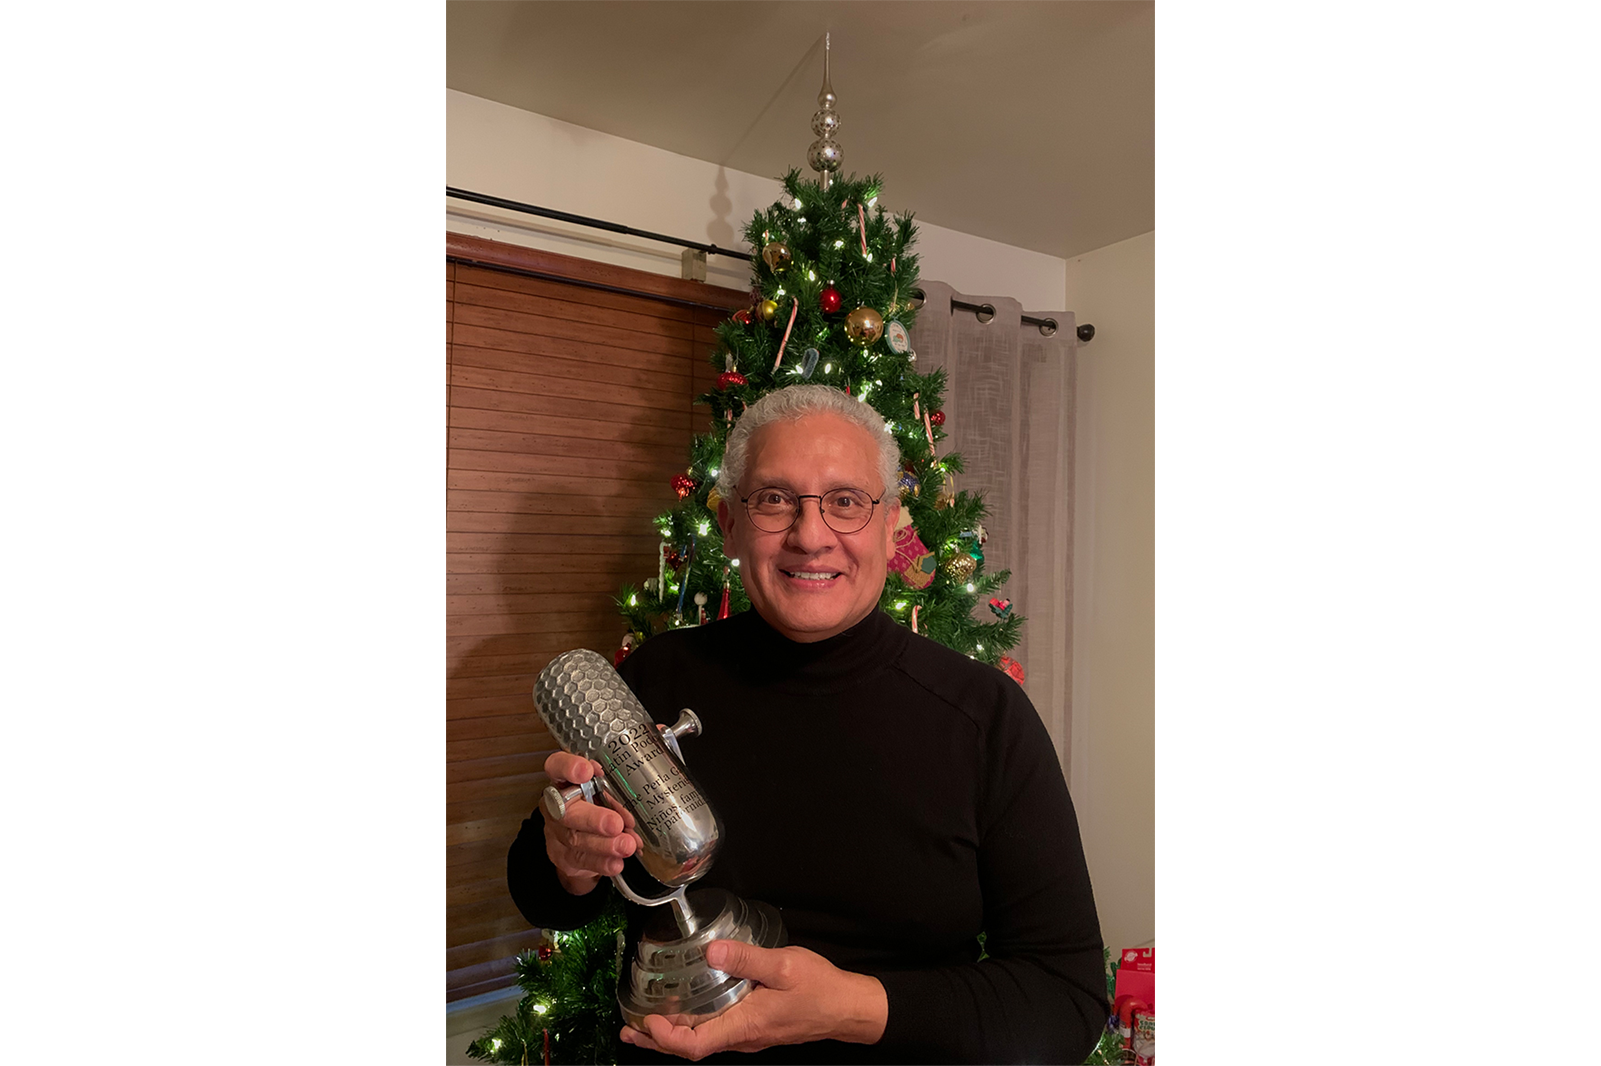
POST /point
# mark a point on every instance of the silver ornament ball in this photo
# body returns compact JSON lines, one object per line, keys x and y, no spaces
{"x":825,"y":122}
{"x":825,"y":155}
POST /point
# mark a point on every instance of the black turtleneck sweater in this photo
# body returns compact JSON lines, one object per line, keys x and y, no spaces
{"x":893,"y":798}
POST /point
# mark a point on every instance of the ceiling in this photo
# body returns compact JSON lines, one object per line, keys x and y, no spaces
{"x":1029,"y":123}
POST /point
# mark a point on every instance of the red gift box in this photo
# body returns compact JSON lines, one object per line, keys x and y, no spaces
{"x":1134,"y":1003}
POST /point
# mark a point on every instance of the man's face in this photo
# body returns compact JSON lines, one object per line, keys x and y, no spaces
{"x":811,"y":456}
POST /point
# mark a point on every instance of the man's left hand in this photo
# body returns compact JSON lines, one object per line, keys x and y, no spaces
{"x":800,"y":996}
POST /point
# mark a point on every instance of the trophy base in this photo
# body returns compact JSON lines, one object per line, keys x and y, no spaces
{"x":669,"y":975}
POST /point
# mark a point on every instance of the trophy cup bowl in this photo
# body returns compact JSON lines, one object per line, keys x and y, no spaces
{"x":592,"y":713}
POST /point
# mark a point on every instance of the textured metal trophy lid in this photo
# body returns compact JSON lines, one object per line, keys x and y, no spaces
{"x":585,"y":704}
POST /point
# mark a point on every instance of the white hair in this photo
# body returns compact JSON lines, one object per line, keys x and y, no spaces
{"x":792,"y":403}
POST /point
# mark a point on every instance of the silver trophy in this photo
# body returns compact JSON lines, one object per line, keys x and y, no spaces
{"x":593,"y":714}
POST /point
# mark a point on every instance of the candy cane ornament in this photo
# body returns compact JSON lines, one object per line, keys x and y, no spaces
{"x":794,"y":306}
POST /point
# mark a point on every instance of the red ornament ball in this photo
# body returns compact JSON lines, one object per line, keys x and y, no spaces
{"x":683,"y":484}
{"x":730,"y":377}
{"x":624,"y":650}
{"x":830,"y":300}
{"x":742,"y":316}
{"x":938,"y":418}
{"x":545,"y":952}
{"x":1013,"y":668}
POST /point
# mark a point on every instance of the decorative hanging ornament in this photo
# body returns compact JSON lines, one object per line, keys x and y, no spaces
{"x":625,"y":649}
{"x":1002,"y":608}
{"x":830,"y":300}
{"x":864,"y":326}
{"x":713,"y":498}
{"x":769,"y":310}
{"x":783,"y":342}
{"x":730,"y":377}
{"x":900,"y":342}
{"x":675,"y":559}
{"x":809,"y":362}
{"x":947,"y":492}
{"x":683,"y":484}
{"x":825,"y":154}
{"x":909,"y":485}
{"x":776,"y":256}
{"x":742,"y":316}
{"x":912,"y":559}
{"x":545,"y":952}
{"x":961,"y":567}
{"x":1013,"y":668}
{"x":938,"y":418}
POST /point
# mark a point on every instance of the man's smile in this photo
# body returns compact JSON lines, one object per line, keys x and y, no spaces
{"x":810,"y":575}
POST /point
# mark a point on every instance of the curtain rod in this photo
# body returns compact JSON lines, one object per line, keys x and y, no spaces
{"x":583,"y":220}
{"x":1047,"y":326}
{"x":985,"y":312}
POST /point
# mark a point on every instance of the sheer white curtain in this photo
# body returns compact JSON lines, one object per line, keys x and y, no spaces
{"x":1009,"y":412}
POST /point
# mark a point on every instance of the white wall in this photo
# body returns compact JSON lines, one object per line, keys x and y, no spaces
{"x":502,"y":151}
{"x":1112,"y":771}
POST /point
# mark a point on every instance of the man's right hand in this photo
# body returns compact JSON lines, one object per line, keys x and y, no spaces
{"x":590,"y":841}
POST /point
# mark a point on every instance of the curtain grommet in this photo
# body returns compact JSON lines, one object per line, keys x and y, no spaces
{"x":985,"y":314}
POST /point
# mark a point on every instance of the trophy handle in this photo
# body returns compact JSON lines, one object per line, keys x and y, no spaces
{"x":681,"y":912}
{"x":688,"y":725}
{"x":557,"y":799}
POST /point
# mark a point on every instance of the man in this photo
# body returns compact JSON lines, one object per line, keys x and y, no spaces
{"x":893,"y":797}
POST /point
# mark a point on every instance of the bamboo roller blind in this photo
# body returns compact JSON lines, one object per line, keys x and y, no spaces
{"x":569,"y":411}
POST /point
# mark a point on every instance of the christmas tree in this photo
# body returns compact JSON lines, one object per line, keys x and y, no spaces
{"x":568,"y":1012}
{"x":834,"y":294}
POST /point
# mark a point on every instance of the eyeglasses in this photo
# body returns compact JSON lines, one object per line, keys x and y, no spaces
{"x":774,"y":510}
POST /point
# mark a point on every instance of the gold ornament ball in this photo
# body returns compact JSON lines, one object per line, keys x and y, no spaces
{"x":864,"y":326}
{"x":961,"y":566}
{"x":776,"y":256}
{"x":769,"y":310}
